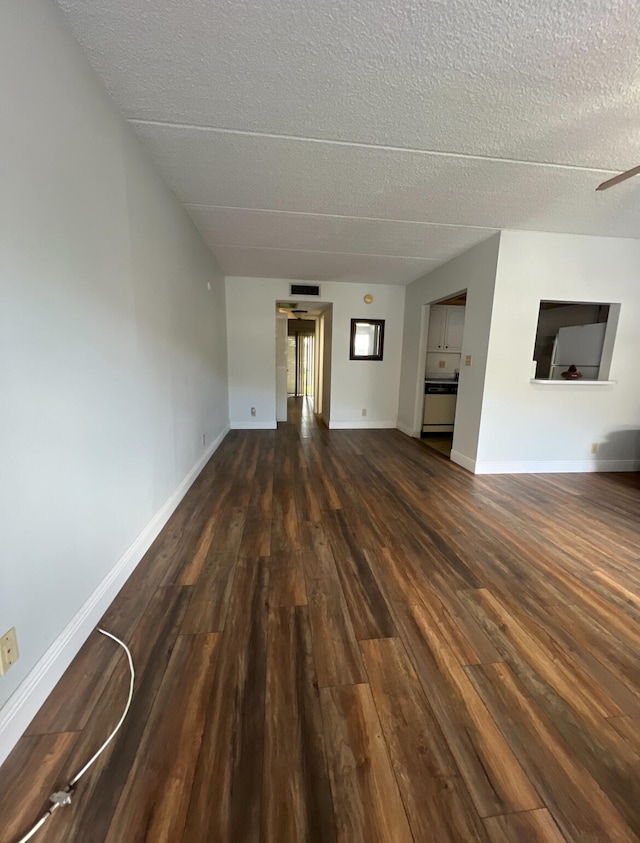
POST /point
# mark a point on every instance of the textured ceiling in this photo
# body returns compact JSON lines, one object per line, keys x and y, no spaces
{"x":371,"y":140}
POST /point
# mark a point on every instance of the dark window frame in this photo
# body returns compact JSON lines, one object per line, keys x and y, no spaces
{"x":352,"y":341}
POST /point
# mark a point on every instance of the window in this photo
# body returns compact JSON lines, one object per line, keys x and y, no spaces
{"x":574,"y":340}
{"x":367,"y":339}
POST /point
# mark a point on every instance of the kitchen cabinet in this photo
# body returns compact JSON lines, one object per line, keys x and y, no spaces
{"x":446,"y":328}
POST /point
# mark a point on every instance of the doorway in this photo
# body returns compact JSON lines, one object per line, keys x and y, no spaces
{"x":442,"y":353}
{"x":303,"y":359}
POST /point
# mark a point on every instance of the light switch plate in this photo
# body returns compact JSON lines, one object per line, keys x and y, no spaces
{"x":467,"y":360}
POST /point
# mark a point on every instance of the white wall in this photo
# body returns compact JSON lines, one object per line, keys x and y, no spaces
{"x":369,"y":384}
{"x":531,"y":427}
{"x":475,"y":271}
{"x":355,"y":384}
{"x":112,"y":350}
{"x":450,"y":360}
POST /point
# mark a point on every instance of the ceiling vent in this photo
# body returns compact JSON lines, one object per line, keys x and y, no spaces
{"x":304,"y":290}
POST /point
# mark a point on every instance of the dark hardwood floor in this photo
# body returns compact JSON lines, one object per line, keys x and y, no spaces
{"x":440,"y":442}
{"x":341,"y":636}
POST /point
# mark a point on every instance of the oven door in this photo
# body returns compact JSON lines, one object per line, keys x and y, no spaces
{"x":439,"y":412}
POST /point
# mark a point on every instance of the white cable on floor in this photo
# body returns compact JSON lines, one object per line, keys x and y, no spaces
{"x":62,"y":798}
{"x":36,"y":827}
{"x":74,"y":781}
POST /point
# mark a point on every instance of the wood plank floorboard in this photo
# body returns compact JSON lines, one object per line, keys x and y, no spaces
{"x":88,"y":674}
{"x":436,"y":799}
{"x":544,"y":667}
{"x":496,"y":781}
{"x":525,"y":827}
{"x":101,"y":788}
{"x":287,"y":586}
{"x":342,"y":637}
{"x":296,"y":799}
{"x":369,"y":612}
{"x":155,"y":798}
{"x":21,"y":787}
{"x":366,"y":797}
{"x":629,"y":728}
{"x":338,"y":660}
{"x":226,"y":796}
{"x":580,"y":807}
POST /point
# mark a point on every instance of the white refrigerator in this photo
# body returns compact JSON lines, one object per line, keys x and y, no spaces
{"x":580,"y":346}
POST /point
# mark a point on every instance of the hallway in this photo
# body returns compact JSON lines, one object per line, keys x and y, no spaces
{"x":341,"y":636}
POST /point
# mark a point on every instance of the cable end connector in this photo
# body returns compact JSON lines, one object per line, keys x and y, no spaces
{"x":61,"y":798}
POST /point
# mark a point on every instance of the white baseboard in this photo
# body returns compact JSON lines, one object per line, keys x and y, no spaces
{"x":464,"y":461}
{"x":543,"y":466}
{"x":553,"y":466}
{"x":23,"y":705}
{"x":256,"y":425}
{"x":362,"y":425}
{"x":409,"y":431}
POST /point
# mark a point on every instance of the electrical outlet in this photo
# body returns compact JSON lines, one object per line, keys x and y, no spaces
{"x":364,"y":411}
{"x":594,"y":447}
{"x":8,"y":650}
{"x":468,"y":360}
{"x":441,"y":364}
{"x":253,"y":411}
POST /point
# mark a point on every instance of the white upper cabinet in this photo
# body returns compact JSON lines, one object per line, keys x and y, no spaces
{"x":437,"y":325}
{"x":454,"y":329}
{"x":446,"y":328}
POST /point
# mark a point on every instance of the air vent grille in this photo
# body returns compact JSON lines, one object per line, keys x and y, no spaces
{"x":304,"y":290}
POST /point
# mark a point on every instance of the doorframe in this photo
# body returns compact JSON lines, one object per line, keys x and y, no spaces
{"x":321,"y":372}
{"x":281,"y":382}
{"x":422,"y":362}
{"x":422,"y":358}
{"x":319,"y":352}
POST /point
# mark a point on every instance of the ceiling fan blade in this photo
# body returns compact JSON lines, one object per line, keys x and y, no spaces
{"x":617,"y":179}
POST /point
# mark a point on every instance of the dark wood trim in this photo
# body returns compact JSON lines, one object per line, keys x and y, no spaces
{"x":352,"y":339}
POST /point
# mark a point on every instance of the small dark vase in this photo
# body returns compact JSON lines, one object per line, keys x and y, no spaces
{"x":572,"y":374}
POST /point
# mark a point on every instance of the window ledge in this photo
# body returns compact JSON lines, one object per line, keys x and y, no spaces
{"x":578,"y":381}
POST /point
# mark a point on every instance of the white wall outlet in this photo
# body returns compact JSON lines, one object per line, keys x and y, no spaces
{"x":8,"y":650}
{"x":441,"y":364}
{"x":594,"y":447}
{"x":253,"y":411}
{"x":364,"y":411}
{"x":468,"y":360}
